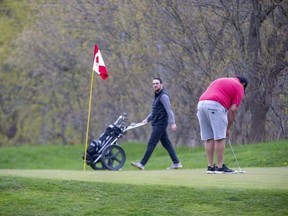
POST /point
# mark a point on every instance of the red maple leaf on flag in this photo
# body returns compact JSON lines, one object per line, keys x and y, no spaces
{"x":98,"y":64}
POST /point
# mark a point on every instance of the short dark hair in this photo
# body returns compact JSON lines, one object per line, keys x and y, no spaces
{"x":243,"y":80}
{"x":158,"y":78}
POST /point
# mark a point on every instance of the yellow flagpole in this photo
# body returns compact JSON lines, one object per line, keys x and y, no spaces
{"x":88,"y":118}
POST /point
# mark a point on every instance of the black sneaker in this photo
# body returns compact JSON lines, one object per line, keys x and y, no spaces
{"x":223,"y":169}
{"x":211,"y":170}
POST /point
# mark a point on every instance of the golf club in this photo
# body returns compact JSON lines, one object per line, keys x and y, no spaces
{"x":239,"y":168}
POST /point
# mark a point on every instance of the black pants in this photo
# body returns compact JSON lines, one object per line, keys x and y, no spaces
{"x":159,"y":133}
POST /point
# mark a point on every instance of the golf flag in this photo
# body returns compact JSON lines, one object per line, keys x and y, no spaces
{"x":98,"y":64}
{"x":98,"y":67}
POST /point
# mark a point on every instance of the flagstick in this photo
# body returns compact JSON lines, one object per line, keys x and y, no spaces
{"x":88,"y":119}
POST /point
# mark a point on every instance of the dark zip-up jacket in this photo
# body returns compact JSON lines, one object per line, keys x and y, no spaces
{"x":161,"y":110}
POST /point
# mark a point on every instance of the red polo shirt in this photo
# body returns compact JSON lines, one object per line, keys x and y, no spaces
{"x":226,"y":91}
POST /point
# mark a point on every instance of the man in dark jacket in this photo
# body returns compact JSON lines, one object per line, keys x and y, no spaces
{"x":160,"y":117}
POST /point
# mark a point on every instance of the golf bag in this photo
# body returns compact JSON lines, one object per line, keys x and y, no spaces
{"x":104,"y":152}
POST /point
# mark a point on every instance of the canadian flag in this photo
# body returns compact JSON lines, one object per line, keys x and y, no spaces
{"x":98,"y":64}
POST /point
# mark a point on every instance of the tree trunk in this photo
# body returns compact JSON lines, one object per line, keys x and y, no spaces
{"x":257,"y":104}
{"x":263,"y":76}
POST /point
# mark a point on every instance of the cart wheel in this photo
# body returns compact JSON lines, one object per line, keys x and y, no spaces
{"x":113,"y":157}
{"x":98,"y":166}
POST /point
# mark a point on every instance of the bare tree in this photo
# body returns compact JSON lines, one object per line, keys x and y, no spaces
{"x":188,"y":43}
{"x":266,"y":61}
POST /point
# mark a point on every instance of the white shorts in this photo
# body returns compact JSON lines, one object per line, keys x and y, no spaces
{"x":213,"y":120}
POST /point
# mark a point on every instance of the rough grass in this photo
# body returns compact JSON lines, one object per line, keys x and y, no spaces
{"x":270,"y":154}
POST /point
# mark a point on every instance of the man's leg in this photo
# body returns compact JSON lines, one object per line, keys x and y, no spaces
{"x":154,"y":139}
{"x":206,"y":130}
{"x":218,"y":119}
{"x":168,"y":146}
{"x":210,"y":146}
{"x":219,"y":149}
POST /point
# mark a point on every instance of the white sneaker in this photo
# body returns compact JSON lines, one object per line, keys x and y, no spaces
{"x":175,"y":166}
{"x":138,"y":165}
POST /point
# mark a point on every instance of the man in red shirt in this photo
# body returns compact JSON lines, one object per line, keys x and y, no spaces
{"x":216,"y":111}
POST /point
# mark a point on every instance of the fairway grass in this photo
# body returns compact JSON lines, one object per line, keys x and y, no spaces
{"x":49,"y":180}
{"x":254,"y":178}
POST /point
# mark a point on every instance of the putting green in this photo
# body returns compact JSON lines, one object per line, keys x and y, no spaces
{"x":254,"y":178}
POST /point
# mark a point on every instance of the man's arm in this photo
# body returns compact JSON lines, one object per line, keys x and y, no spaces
{"x":167,"y":105}
{"x":231,"y":117}
{"x":147,"y":119}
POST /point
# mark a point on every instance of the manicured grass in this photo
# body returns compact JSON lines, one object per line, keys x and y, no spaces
{"x":32,"y":196}
{"x":49,"y":180}
{"x":255,"y":178}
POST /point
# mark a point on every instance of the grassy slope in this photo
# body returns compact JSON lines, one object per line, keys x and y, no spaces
{"x":270,"y":154}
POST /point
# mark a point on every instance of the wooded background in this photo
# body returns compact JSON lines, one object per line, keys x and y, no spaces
{"x":46,"y":51}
